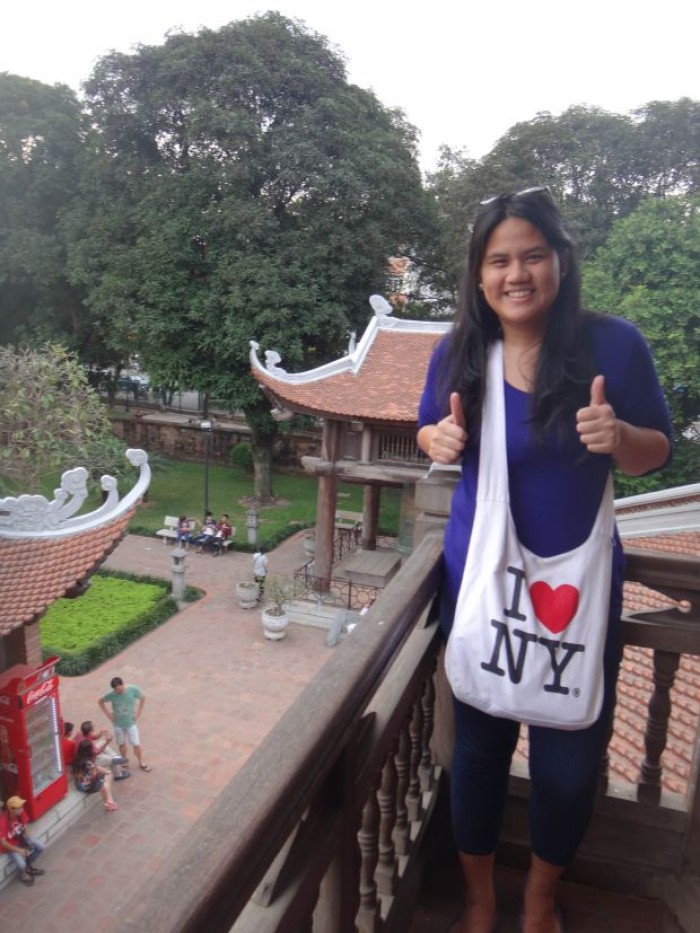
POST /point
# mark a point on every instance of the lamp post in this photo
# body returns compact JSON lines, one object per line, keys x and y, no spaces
{"x":206,"y":427}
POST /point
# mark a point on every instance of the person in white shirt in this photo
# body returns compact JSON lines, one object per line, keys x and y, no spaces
{"x":260,"y":571}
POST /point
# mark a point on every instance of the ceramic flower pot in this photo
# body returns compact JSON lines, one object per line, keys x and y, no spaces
{"x":247,"y":594}
{"x":274,"y":626}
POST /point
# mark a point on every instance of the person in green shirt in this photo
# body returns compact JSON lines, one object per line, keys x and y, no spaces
{"x":127,"y":703}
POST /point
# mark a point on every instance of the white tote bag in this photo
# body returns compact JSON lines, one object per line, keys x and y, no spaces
{"x":529,"y":632}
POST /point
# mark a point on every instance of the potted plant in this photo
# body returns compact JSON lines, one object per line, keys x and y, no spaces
{"x":279,"y":591}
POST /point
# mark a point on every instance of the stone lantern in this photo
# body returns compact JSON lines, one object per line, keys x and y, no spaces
{"x":252,"y":520}
{"x":178,"y":571}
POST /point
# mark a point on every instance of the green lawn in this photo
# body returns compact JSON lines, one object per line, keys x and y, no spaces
{"x":178,"y":489}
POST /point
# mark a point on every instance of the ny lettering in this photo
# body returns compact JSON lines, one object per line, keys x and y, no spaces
{"x":515,"y":660}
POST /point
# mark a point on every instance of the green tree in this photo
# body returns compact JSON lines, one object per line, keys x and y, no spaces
{"x":241,"y":189}
{"x":649,"y":272}
{"x":51,"y":420}
{"x":600,"y":166}
{"x":40,"y":140}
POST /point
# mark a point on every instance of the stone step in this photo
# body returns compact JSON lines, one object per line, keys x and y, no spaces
{"x":310,"y":612}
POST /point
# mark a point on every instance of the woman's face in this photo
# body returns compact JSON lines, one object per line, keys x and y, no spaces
{"x":520,"y":275}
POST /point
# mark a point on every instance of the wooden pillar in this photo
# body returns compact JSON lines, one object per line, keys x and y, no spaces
{"x":370,"y":517}
{"x":326,"y":503}
{"x":22,"y":646}
{"x":366,"y":446}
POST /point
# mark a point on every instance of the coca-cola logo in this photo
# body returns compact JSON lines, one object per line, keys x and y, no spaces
{"x":39,"y":692}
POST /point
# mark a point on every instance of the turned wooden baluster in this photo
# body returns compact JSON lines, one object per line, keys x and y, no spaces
{"x":386,"y":873}
{"x":415,"y":731}
{"x":368,"y":918}
{"x":425,"y":770}
{"x":665,"y":667}
{"x":402,"y":828}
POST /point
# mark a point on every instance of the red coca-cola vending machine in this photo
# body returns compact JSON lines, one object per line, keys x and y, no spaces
{"x":31,"y":762}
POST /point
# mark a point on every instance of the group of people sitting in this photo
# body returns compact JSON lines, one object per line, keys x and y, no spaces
{"x":94,"y":766}
{"x":211,"y":537}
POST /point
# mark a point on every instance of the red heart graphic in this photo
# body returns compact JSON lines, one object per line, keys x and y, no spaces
{"x":554,"y":608}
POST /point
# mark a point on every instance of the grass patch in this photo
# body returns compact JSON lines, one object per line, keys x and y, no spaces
{"x":115,"y":611}
{"x":178,"y":489}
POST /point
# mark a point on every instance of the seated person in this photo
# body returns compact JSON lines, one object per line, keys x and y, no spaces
{"x":222,"y":532}
{"x":68,"y":744}
{"x":92,"y":778}
{"x":102,"y":754}
{"x":16,"y":843}
{"x":208,"y":529}
{"x":185,"y":527}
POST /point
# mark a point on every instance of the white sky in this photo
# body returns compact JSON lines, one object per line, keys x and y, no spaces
{"x":463,"y":71}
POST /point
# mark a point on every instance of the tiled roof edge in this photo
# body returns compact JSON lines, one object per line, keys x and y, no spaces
{"x":351,"y":362}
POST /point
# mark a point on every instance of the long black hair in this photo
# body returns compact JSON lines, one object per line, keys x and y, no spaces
{"x":565,"y":365}
{"x":83,"y":754}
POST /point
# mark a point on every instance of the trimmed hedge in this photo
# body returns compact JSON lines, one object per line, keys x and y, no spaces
{"x":117,"y":610}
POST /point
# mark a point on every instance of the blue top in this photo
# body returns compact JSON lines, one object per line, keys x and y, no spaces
{"x":555,"y":487}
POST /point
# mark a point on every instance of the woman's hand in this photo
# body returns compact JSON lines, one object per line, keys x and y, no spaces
{"x":636,"y":450}
{"x":598,"y":428}
{"x":444,"y":442}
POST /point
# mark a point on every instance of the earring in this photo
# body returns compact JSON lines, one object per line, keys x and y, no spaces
{"x":481,"y":286}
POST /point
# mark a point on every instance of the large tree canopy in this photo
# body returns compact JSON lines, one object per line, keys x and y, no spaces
{"x":40,"y":142}
{"x":241,"y":189}
{"x":649,"y":272}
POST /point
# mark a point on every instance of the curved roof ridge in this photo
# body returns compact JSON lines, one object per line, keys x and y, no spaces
{"x":28,"y":517}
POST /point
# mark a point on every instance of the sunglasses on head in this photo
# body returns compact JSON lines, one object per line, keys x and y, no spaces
{"x":541,"y":189}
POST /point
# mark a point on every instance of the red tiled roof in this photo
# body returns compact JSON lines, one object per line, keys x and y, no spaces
{"x":36,"y":571}
{"x":387,"y":386}
{"x":685,"y":542}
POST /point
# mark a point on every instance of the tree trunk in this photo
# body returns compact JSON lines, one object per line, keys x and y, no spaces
{"x":262,"y":469}
{"x":263,"y":431}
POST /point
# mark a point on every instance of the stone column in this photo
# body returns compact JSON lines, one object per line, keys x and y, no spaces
{"x":178,"y":555}
{"x":433,"y":499}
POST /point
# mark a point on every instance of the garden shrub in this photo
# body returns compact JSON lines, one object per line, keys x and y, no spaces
{"x":115,"y":611}
{"x":242,"y":456}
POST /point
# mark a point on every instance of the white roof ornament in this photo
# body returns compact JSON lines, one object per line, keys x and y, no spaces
{"x":380,"y":306}
{"x":29,"y":516}
{"x":272,"y":359}
{"x":352,"y":343}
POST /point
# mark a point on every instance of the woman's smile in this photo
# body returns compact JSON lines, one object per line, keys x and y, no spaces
{"x":520,"y":275}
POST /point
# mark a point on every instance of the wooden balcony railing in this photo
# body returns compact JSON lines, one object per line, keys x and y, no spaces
{"x":323,"y":828}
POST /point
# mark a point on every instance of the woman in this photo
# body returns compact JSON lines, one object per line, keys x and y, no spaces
{"x":91,"y":777}
{"x":580,"y":392}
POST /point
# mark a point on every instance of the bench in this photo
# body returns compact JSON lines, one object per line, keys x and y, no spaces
{"x":228,"y":543}
{"x":169,"y":530}
{"x":348,"y":521}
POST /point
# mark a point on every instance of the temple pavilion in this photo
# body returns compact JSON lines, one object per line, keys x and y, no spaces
{"x":368,"y":403}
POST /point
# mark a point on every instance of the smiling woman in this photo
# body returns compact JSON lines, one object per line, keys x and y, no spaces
{"x":534,"y":397}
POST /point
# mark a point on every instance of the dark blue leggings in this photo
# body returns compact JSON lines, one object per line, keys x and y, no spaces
{"x":564,"y":772}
